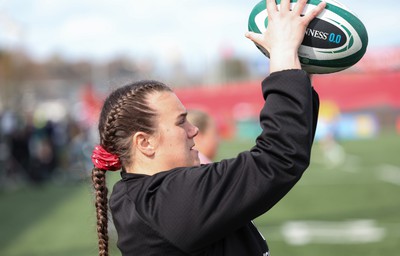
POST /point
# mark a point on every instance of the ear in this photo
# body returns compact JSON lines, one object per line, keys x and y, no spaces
{"x":142,"y":141}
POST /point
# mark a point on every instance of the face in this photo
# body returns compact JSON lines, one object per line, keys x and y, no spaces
{"x":174,"y":137}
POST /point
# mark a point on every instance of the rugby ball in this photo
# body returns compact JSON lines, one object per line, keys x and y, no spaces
{"x":335,"y":40}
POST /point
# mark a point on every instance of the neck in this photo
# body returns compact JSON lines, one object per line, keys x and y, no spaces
{"x":141,"y":170}
{"x":144,"y":166}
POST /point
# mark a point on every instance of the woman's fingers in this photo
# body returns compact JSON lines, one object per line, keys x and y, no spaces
{"x":271,"y":7}
{"x":314,"y":12}
{"x":285,"y":6}
{"x":299,"y":6}
{"x":255,"y":37}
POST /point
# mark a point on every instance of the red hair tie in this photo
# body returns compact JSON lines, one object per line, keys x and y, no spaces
{"x":104,"y":160}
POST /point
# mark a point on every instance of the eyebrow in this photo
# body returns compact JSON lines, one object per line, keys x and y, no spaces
{"x":182,"y":115}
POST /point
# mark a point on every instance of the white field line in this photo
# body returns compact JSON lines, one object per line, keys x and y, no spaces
{"x":353,"y":164}
{"x":347,"y":163}
{"x":355,"y":231}
{"x":332,"y":232}
{"x":389,"y":173}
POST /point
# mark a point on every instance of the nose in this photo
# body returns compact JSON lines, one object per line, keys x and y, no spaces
{"x":193,"y":131}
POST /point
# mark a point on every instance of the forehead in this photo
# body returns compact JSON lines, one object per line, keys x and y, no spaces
{"x":166,"y":104}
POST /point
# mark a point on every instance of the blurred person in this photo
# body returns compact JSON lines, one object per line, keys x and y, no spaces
{"x":333,"y":153}
{"x":166,"y":202}
{"x":15,"y":157}
{"x":207,"y":139}
{"x":20,"y":149}
{"x":43,"y":153}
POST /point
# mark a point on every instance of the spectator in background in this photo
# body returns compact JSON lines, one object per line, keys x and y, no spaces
{"x":207,"y":140}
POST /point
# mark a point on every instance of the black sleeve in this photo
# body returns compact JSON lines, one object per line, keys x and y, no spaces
{"x":194,"y":207}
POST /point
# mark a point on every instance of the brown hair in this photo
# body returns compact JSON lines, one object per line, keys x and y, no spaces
{"x":125,"y":112}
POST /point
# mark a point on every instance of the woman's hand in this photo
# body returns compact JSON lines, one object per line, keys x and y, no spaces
{"x":284,"y":33}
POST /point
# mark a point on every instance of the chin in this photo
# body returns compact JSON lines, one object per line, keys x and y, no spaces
{"x":196,"y":162}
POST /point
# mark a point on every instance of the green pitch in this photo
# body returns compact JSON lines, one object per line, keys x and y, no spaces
{"x":346,"y":204}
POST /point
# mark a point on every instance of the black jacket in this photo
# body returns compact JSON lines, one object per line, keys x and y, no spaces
{"x":207,"y":210}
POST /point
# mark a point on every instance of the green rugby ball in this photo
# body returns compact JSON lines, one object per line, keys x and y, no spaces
{"x":335,"y":40}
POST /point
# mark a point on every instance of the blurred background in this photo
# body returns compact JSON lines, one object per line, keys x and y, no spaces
{"x":59,"y":59}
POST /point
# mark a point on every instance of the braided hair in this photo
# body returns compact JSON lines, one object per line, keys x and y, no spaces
{"x":125,"y":112}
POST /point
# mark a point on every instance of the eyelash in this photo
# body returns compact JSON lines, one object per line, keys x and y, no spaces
{"x":181,"y":122}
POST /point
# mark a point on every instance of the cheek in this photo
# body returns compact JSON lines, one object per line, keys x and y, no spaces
{"x":173,"y":138}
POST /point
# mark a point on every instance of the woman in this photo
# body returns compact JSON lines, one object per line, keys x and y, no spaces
{"x":166,"y":203}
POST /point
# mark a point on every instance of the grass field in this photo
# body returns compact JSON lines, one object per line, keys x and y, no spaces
{"x":348,"y":207}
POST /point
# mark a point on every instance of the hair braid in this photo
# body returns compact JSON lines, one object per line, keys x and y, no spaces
{"x":125,"y":112}
{"x":99,"y":183}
